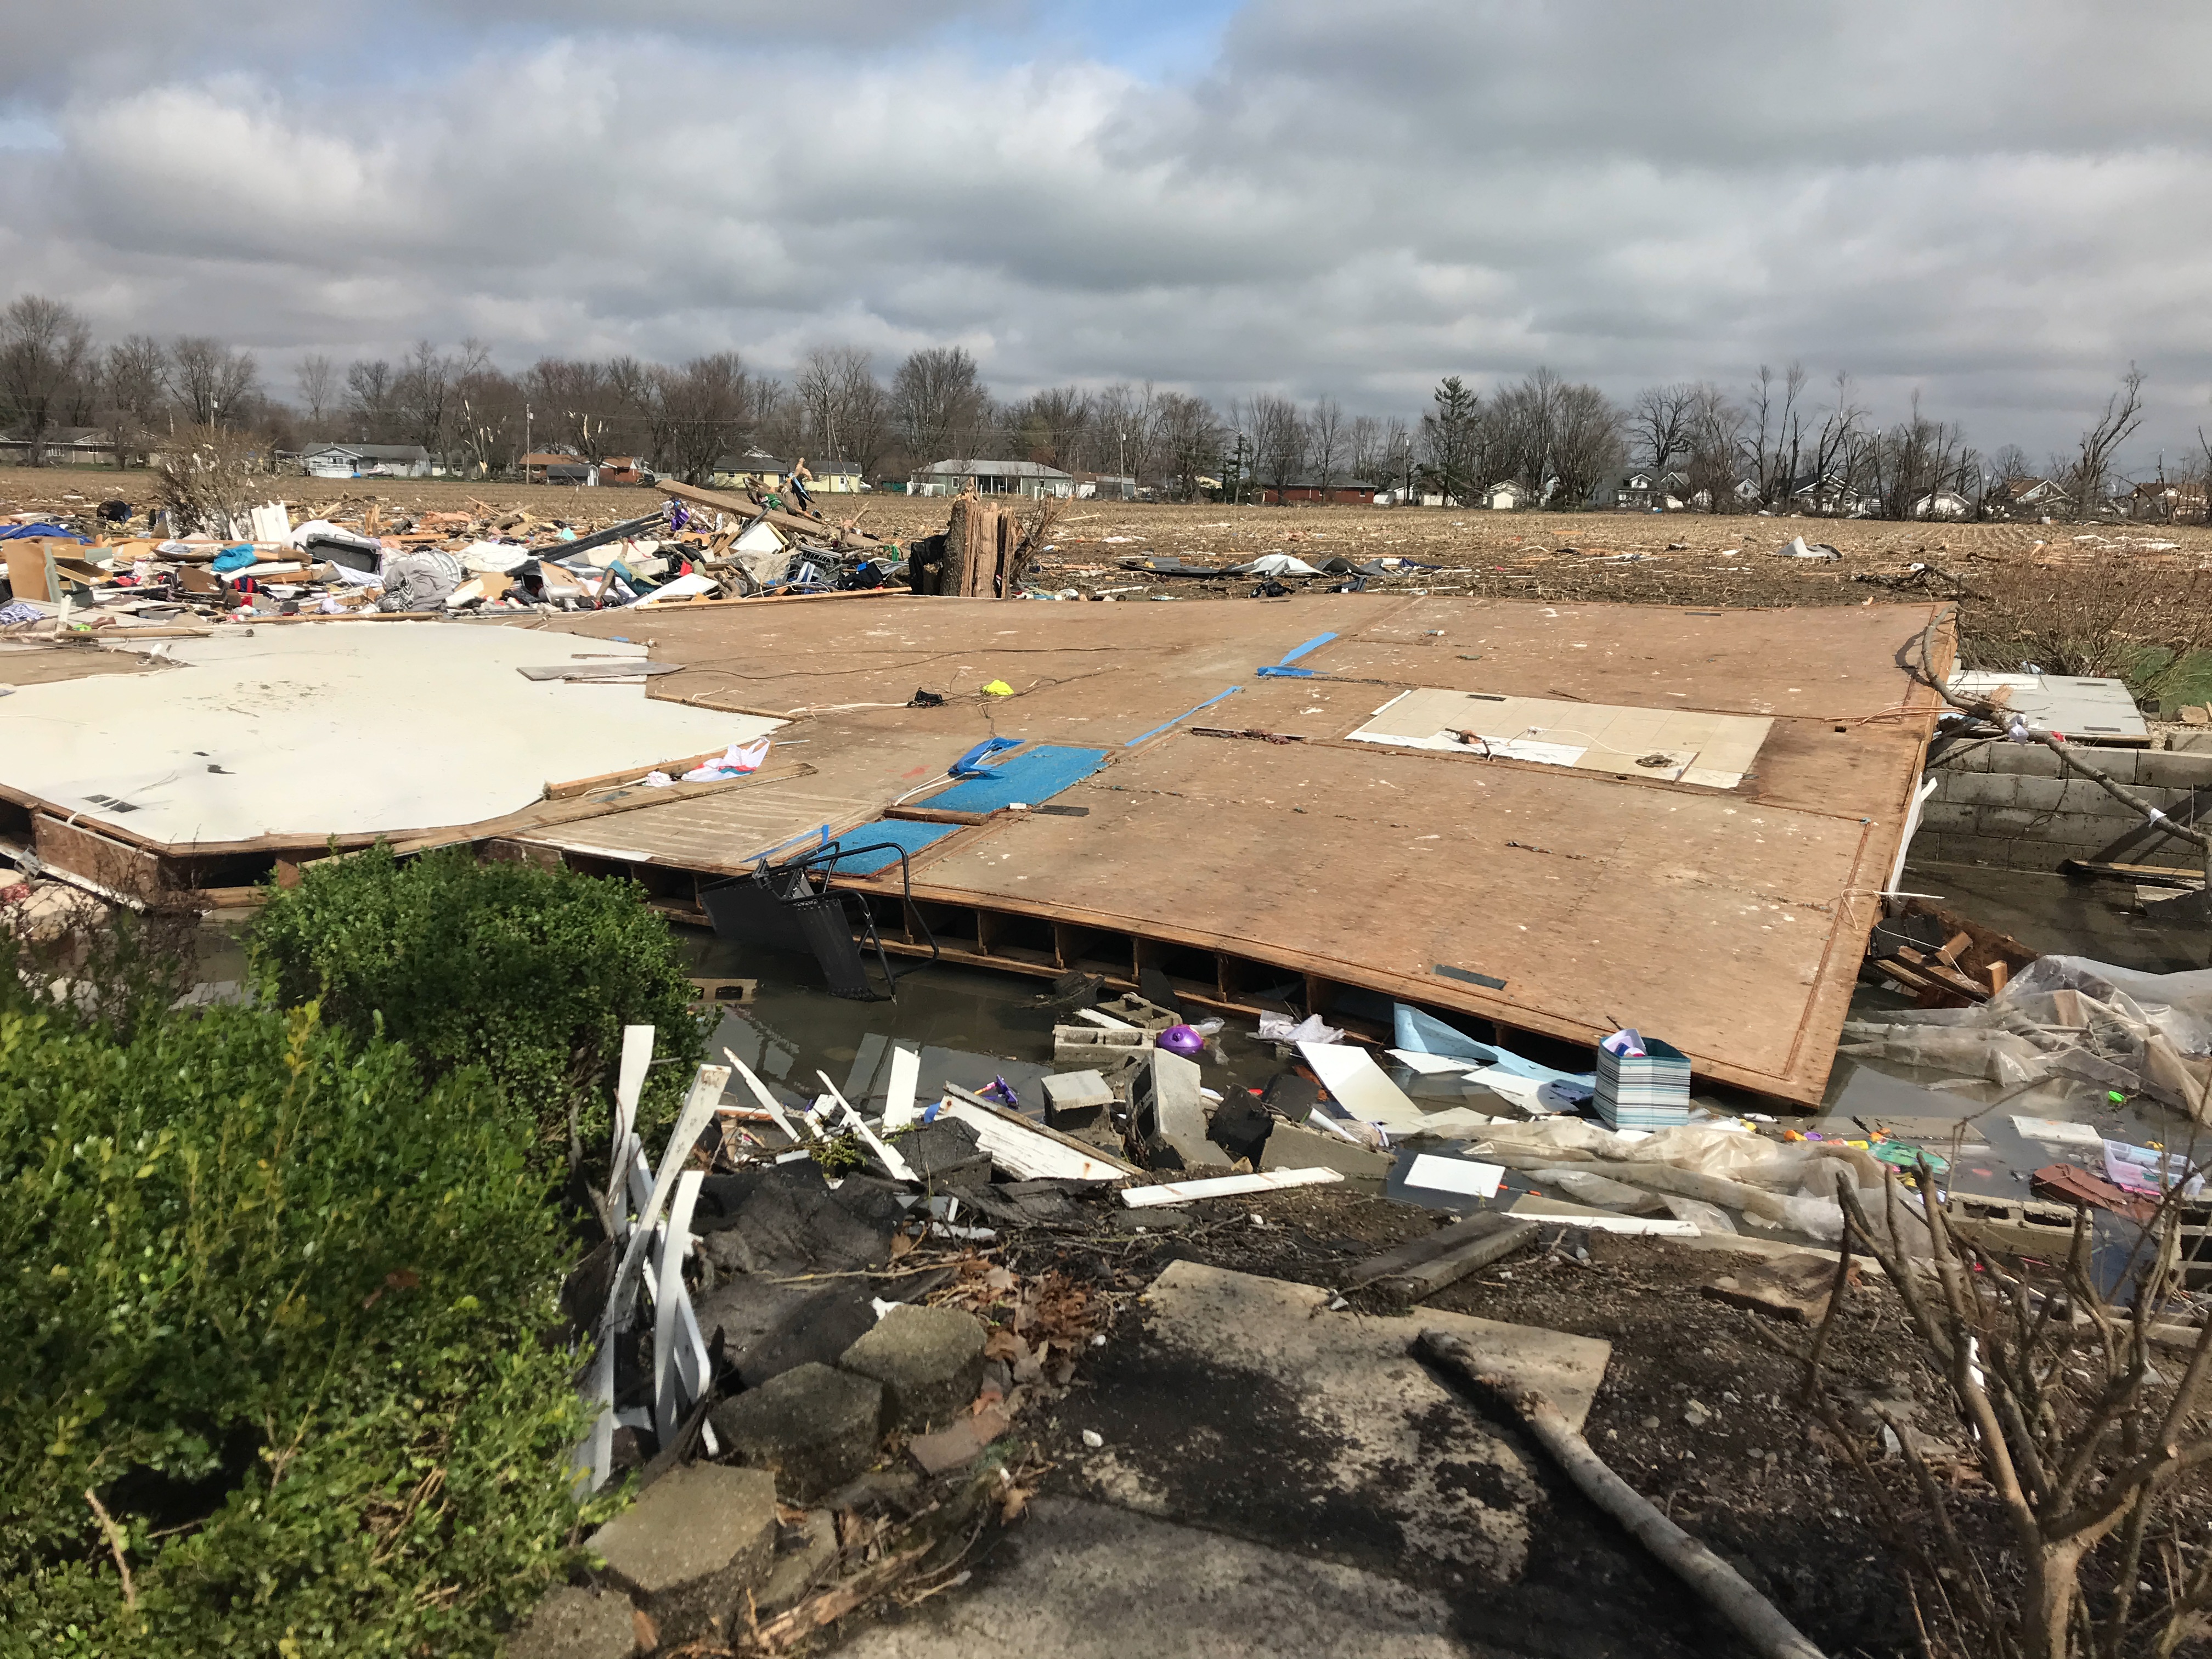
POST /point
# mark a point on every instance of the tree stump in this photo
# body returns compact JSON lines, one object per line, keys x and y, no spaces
{"x":979,"y":549}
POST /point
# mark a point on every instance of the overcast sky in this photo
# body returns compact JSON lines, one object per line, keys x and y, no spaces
{"x":2000,"y":205}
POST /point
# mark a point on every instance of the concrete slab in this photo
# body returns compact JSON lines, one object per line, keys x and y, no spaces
{"x":1368,"y":1449}
{"x":1077,"y":1580}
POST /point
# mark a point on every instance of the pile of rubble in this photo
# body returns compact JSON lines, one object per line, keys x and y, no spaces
{"x":352,"y":557}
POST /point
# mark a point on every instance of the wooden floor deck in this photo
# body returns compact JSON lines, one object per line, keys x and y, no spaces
{"x":1236,"y":839}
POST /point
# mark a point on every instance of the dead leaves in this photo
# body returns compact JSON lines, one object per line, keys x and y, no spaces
{"x":1038,"y":1326}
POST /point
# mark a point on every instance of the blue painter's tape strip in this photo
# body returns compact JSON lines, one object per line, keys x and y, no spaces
{"x":1314,"y":643}
{"x":1275,"y":671}
{"x":1167,"y":725}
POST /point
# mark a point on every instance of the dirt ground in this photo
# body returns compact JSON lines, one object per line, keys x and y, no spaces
{"x":1620,"y":557}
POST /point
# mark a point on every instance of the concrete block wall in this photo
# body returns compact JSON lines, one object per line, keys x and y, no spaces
{"x":2007,"y":805}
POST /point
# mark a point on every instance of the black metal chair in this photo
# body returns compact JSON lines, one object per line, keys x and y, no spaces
{"x":793,"y":906}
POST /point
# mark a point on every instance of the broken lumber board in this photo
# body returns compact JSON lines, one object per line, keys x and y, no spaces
{"x":754,"y":511}
{"x":1556,"y":1212}
{"x":1234,"y":1186}
{"x":545,"y":814}
{"x":1428,"y":1264}
{"x":624,"y":669}
{"x":2159,"y":875}
{"x":1723,"y":1590}
{"x":1029,"y":1150}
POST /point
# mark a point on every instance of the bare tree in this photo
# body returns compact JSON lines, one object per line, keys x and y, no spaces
{"x":1718,"y":447}
{"x":1050,"y":427}
{"x":1279,"y":439}
{"x":1659,"y":424}
{"x":710,"y":407}
{"x":1330,"y":442}
{"x":1775,"y":434}
{"x":1127,"y":425}
{"x":137,"y":377}
{"x":938,"y":404}
{"x":317,"y":377}
{"x":844,"y":412}
{"x":575,"y":403}
{"x":1190,"y":438}
{"x":2086,"y":479}
{"x":1381,"y":449}
{"x":487,"y":423}
{"x":46,"y":351}
{"x":1557,"y":438}
{"x":211,"y":382}
{"x":1586,"y":443}
{"x":1838,"y":456}
{"x":369,"y":398}
{"x":422,"y":393}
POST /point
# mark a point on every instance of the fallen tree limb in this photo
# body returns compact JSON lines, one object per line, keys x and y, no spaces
{"x":1723,"y":1588}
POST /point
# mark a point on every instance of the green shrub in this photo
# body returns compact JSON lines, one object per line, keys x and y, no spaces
{"x":280,"y":1304}
{"x":529,"y":973}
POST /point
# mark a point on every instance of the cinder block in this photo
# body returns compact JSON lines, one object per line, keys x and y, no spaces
{"x":1981,"y":789}
{"x":2039,"y":794}
{"x":2080,"y":795}
{"x":2198,"y":743}
{"x":1944,"y":816}
{"x":2025,"y":760}
{"x":2008,"y":823}
{"x":2117,"y":764}
{"x":1975,"y":757}
{"x":2175,"y":771}
{"x":2082,"y":828}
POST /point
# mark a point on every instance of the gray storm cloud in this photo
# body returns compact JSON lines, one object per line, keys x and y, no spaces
{"x":1987,"y":203}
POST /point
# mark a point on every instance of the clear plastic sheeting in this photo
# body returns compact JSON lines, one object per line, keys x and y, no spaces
{"x":1778,"y":1189}
{"x":2067,"y":1016}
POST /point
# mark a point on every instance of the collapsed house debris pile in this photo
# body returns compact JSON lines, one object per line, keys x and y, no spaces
{"x":352,"y":557}
{"x":858,"y":1301}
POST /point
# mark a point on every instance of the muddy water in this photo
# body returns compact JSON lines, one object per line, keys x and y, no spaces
{"x":970,"y":1025}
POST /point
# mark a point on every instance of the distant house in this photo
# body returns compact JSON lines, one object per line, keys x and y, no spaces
{"x":66,"y":446}
{"x":2032,"y":498}
{"x":1945,"y":503}
{"x":1829,"y":494}
{"x":367,"y":461}
{"x":835,"y":479}
{"x":1353,"y":492}
{"x":993,"y":479}
{"x":1641,"y":488}
{"x":1105,"y":487}
{"x":2167,"y":500}
{"x":754,"y":470}
{"x":1507,"y":496}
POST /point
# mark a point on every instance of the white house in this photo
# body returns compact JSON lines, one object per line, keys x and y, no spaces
{"x":367,"y":461}
{"x":1944,"y":503}
{"x":992,"y":478}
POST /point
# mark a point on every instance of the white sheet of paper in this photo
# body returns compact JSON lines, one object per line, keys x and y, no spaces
{"x":1361,"y":1087}
{"x":2053,"y":1132}
{"x":1452,"y":1175}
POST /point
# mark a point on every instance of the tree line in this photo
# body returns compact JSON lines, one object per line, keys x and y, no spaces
{"x":1773,"y":444}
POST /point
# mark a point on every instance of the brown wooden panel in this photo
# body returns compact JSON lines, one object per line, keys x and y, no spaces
{"x":1708,"y":921}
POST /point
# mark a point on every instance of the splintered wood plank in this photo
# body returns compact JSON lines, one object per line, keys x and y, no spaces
{"x":1712,"y":923}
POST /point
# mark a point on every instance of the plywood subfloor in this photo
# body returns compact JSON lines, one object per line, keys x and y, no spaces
{"x":1697,"y":918}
